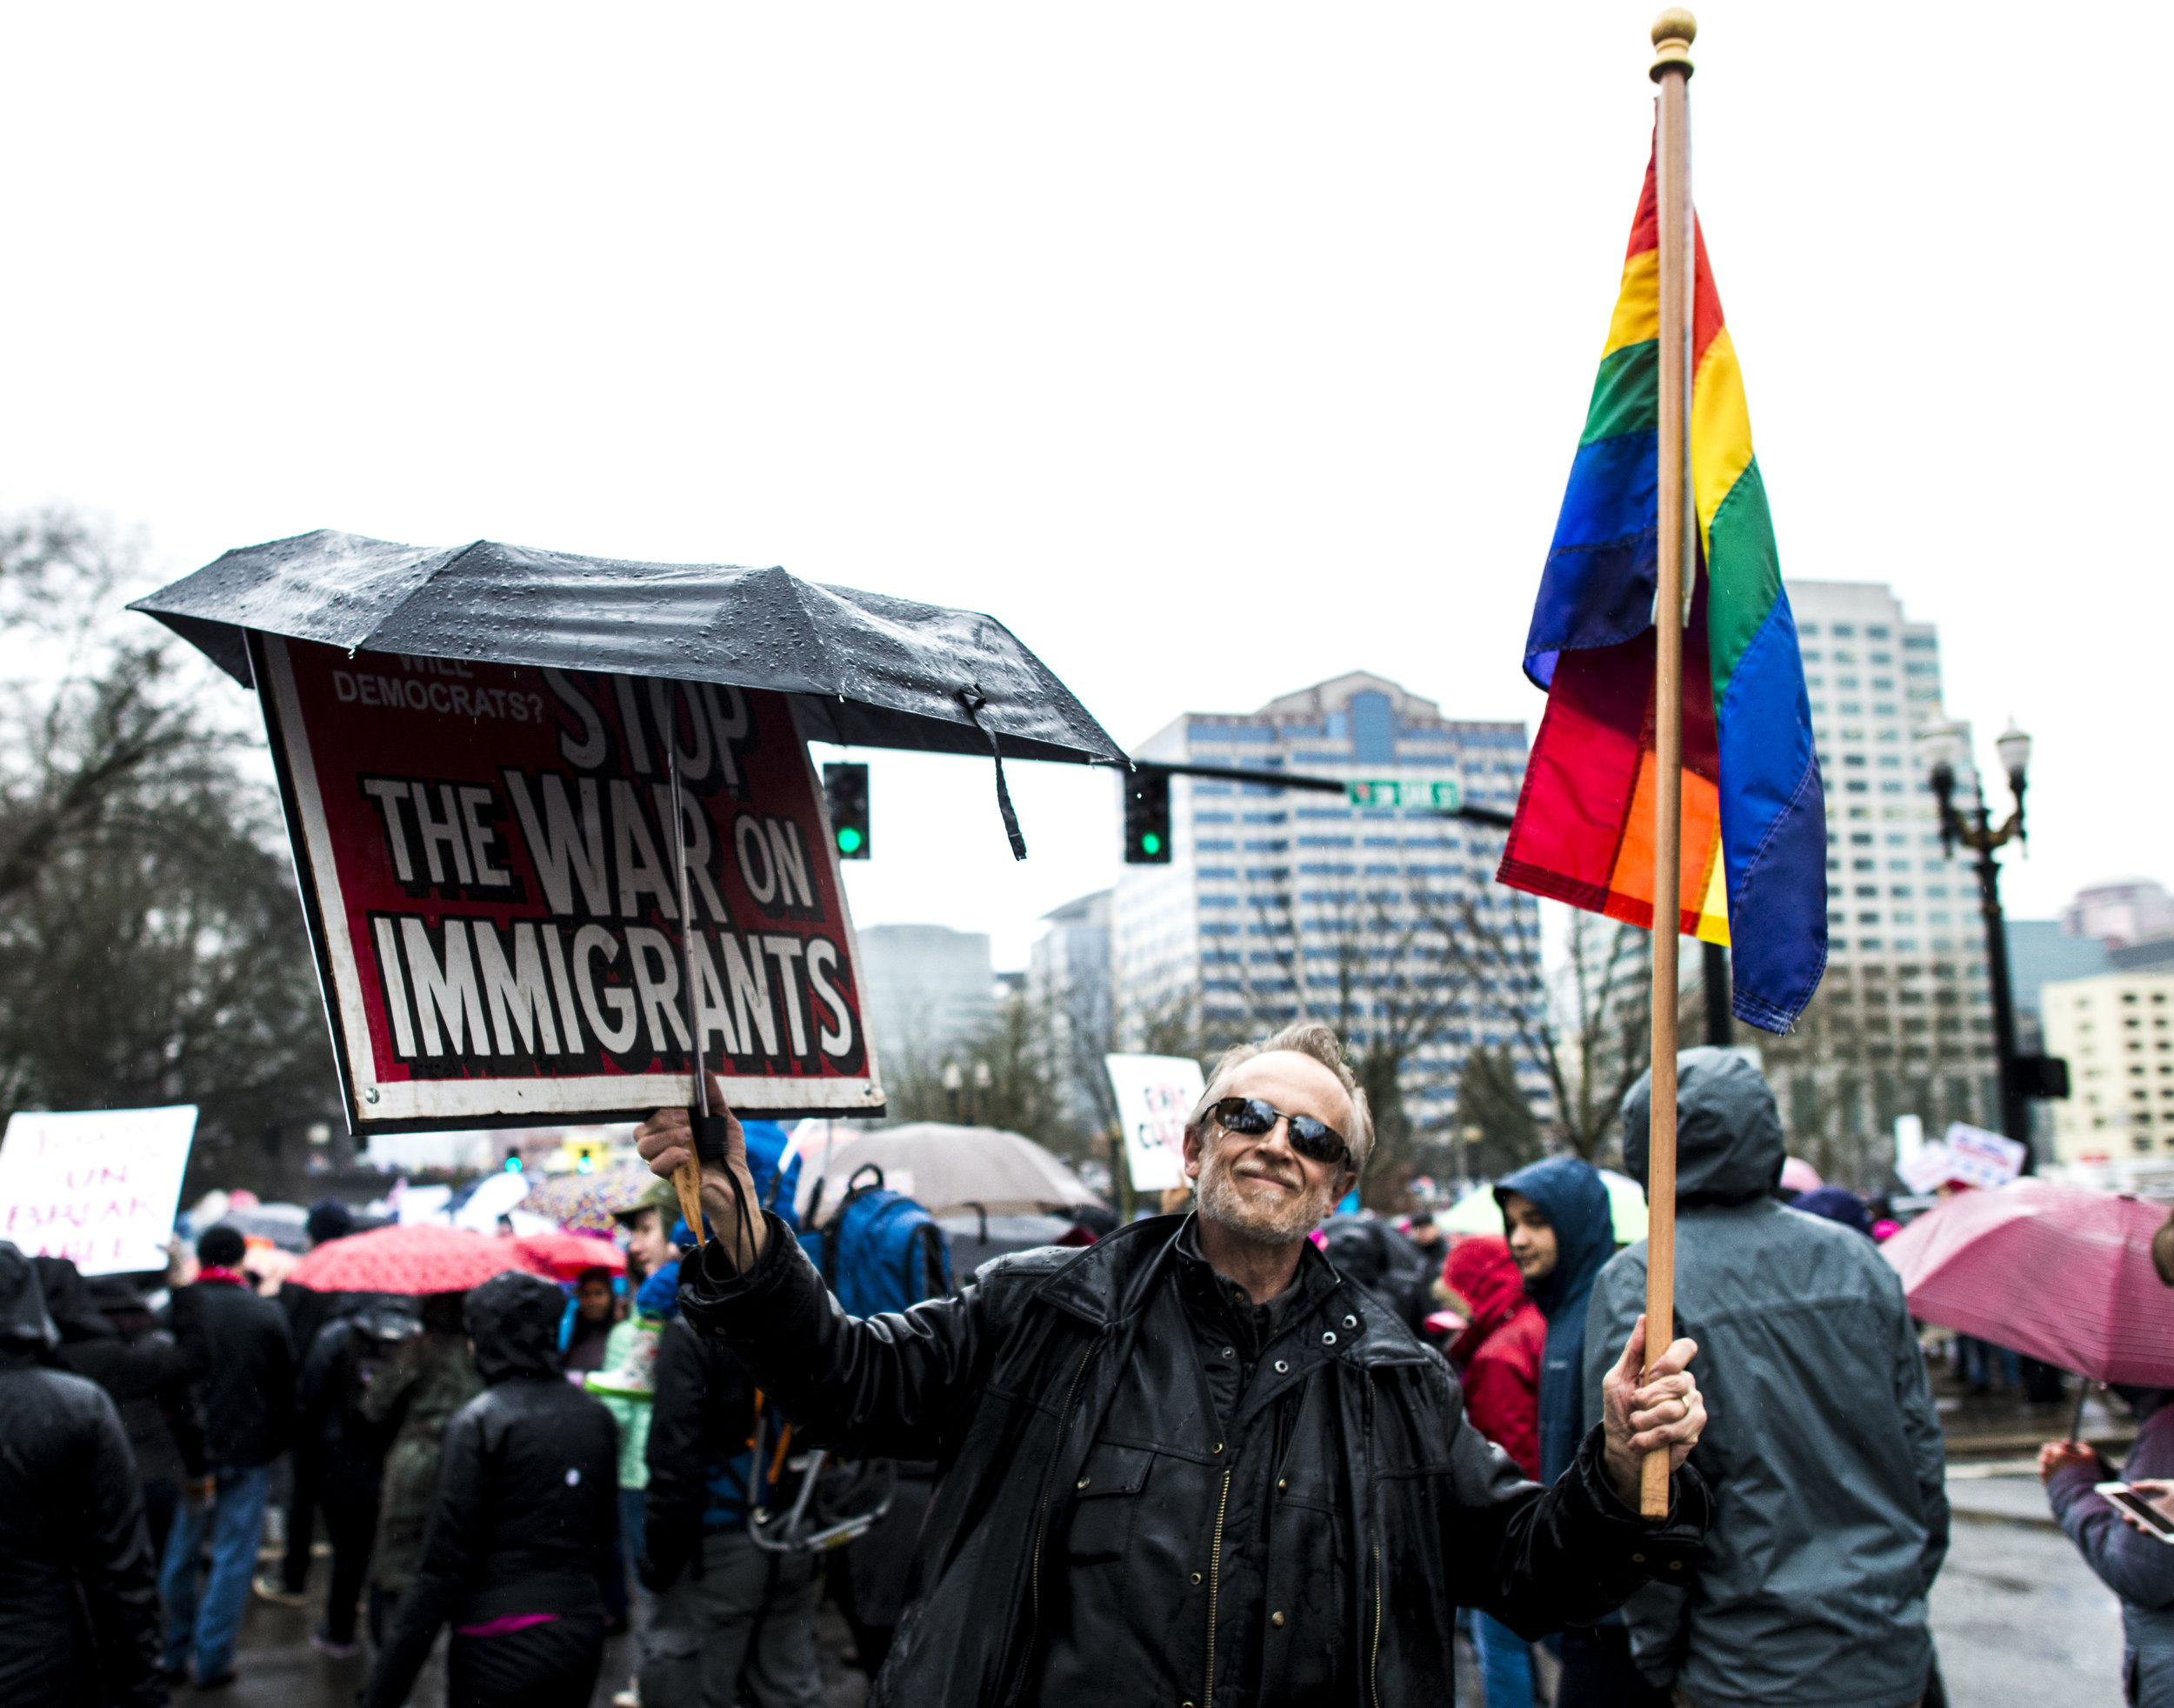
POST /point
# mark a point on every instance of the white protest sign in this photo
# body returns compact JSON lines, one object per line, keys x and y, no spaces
{"x":1979,"y":1158}
{"x":1927,"y":1168}
{"x":1155,"y":1096}
{"x":98,"y":1187}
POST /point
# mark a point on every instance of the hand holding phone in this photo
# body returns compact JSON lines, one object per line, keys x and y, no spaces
{"x":2147,"y":1505}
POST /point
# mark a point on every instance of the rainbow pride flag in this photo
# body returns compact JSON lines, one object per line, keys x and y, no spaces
{"x":1754,"y":838}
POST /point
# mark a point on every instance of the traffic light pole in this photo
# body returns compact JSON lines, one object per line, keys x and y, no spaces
{"x":1325,"y":785}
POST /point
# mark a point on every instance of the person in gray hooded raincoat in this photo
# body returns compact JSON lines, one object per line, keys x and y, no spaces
{"x":1823,"y":1449}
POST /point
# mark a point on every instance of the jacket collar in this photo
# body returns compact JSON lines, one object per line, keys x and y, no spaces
{"x":1114,"y":1278}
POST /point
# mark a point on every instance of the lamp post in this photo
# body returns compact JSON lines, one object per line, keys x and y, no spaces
{"x":1973,"y":827}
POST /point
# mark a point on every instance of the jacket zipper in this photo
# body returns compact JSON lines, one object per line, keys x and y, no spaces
{"x":1041,"y":1524}
{"x":1374,"y":1656}
{"x":1215,"y":1577}
{"x":1374,"y":1659}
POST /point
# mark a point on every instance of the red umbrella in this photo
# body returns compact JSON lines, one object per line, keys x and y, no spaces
{"x":563,"y":1256}
{"x":2063,"y":1273}
{"x":420,"y":1259}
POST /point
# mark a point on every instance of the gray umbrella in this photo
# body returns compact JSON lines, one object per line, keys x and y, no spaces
{"x":863,"y":670}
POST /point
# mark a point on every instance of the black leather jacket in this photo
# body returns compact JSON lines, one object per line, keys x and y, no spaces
{"x":526,"y":1515}
{"x":1100,"y":1534}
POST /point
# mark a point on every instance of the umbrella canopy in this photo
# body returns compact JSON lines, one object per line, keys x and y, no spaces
{"x":1799,"y":1176}
{"x":417,"y":1259}
{"x":2063,"y":1273}
{"x":585,"y":1203}
{"x":563,"y":1256}
{"x":1478,"y":1212}
{"x":946,"y":1169}
{"x":863,"y":669}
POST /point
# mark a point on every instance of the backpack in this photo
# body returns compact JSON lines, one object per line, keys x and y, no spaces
{"x":881,"y":1251}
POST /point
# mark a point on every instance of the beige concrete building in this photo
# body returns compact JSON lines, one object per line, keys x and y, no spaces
{"x":2117,"y":1031}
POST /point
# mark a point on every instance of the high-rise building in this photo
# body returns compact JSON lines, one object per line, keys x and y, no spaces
{"x":1279,"y":904}
{"x":1903,"y":1022}
{"x":1069,"y":971}
{"x":2117,"y":1031}
{"x":924,"y":989}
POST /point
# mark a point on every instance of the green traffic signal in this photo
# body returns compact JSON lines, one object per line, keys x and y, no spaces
{"x":845,"y":799}
{"x":1147,"y":817}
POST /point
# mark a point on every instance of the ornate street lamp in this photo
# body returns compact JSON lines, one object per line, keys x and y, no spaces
{"x":1944,"y":749}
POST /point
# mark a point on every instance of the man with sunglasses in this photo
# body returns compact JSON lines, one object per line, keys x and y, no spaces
{"x":1191,"y":1464}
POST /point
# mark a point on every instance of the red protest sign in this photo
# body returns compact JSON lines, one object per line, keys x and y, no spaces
{"x":486,"y":856}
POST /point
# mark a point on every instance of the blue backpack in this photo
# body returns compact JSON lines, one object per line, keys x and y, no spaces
{"x":881,"y":1251}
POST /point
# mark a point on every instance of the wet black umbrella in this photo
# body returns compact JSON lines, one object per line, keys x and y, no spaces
{"x":863,"y":670}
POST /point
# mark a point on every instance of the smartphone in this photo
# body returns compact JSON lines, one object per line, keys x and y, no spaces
{"x":2156,"y":1522}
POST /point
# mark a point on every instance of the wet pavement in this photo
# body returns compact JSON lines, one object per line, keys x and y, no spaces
{"x":276,"y":1666}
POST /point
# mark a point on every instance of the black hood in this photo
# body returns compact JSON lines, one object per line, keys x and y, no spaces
{"x":1728,"y":1147}
{"x":24,"y":1325}
{"x":513,"y":1319}
{"x":68,"y":1301}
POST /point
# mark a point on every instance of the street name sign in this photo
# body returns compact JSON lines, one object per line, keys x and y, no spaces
{"x":1440,"y":794}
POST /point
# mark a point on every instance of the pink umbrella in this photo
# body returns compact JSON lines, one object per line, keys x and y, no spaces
{"x":2063,"y":1273}
{"x":563,"y":1256}
{"x":419,"y":1259}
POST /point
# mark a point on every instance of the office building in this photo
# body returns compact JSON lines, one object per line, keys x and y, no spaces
{"x":1281,"y":903}
{"x":1072,"y":969}
{"x":924,"y":990}
{"x":2117,"y":1031}
{"x":1903,"y":1022}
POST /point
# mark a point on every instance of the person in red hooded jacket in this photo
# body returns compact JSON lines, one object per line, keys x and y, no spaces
{"x":1498,"y":1357}
{"x":1498,"y":1352}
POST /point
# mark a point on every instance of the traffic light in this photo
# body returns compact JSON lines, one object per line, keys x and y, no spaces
{"x":1147,"y":818}
{"x":845,"y":793}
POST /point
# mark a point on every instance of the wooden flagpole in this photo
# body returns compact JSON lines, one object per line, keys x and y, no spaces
{"x":1673,"y":32}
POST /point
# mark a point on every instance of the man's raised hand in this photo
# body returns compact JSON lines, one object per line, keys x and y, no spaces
{"x":1665,"y":1410}
{"x":666,"y":1141}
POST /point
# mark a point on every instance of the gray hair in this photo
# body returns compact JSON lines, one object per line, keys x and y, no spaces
{"x":1301,"y":1038}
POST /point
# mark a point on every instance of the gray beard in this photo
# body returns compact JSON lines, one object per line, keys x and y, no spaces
{"x":1220,"y":1203}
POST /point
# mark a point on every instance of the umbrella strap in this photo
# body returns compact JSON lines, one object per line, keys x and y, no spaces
{"x":973,"y":700}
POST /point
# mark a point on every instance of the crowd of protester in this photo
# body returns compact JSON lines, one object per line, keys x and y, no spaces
{"x":531,"y":1468}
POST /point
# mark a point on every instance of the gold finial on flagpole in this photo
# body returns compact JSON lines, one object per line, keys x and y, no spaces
{"x":1673,"y":33}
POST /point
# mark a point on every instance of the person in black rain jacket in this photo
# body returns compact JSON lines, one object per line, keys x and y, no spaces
{"x":78,"y":1601}
{"x":523,"y":1526}
{"x":1192,"y":1462}
{"x":108,"y":1335}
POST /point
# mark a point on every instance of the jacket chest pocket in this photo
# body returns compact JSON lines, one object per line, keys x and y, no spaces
{"x":1105,"y":1502}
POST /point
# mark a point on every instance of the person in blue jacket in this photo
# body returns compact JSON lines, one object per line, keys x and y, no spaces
{"x":1556,"y":1216}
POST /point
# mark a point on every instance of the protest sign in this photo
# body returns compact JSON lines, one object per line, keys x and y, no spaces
{"x":1926,"y":1168}
{"x":98,"y":1187}
{"x":1980,"y":1158}
{"x":486,"y":856}
{"x":1155,"y":1096}
{"x":1965,"y":1156}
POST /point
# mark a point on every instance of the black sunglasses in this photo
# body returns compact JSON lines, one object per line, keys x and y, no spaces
{"x":1315,"y":1140}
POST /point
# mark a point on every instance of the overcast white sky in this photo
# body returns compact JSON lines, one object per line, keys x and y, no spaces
{"x":1216,"y":349}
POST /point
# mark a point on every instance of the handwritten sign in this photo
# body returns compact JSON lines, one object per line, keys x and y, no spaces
{"x":98,"y":1187}
{"x":1155,"y":1094}
{"x":1980,"y":1158}
{"x":489,"y":864}
{"x":1966,"y":1156}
